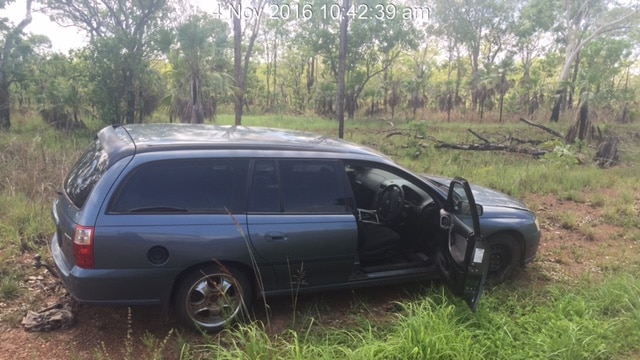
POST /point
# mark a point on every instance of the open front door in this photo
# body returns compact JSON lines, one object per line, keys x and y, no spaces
{"x":462,"y":259}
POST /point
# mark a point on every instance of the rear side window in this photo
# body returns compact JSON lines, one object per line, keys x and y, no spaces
{"x":183,"y":186}
{"x":86,"y":173}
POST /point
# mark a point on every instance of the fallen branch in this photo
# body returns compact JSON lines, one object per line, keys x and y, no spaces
{"x":396,"y":133}
{"x":479,"y":137}
{"x":528,"y":141}
{"x":550,"y":131}
{"x":492,"y":147}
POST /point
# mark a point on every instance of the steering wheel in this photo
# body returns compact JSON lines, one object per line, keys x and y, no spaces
{"x":390,"y":202}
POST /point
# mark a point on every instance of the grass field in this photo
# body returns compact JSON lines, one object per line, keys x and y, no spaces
{"x":579,"y":300}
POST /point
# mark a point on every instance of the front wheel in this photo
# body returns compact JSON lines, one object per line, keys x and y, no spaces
{"x":212,"y":297}
{"x":504,"y":255}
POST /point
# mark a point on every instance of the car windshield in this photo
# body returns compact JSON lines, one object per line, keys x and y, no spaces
{"x":86,"y":173}
{"x":441,"y":185}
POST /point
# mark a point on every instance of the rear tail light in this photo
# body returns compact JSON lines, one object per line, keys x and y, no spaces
{"x":83,"y":246}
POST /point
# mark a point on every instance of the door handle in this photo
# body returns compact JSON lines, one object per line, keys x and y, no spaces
{"x":275,"y":236}
{"x":445,"y":222}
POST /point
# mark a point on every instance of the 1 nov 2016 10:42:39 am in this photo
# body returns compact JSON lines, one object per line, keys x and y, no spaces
{"x":328,"y":11}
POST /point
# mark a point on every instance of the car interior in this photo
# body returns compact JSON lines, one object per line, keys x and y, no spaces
{"x":398,"y":222}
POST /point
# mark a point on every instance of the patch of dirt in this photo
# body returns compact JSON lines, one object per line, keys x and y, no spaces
{"x":577,"y":244}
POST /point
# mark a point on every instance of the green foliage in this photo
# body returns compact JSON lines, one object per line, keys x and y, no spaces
{"x":562,"y":156}
{"x":9,"y":287}
{"x":120,"y":77}
{"x":397,"y":67}
{"x":594,"y":322}
{"x":197,"y":50}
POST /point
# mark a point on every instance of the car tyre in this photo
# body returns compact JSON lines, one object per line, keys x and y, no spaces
{"x":212,"y":297}
{"x":504,"y":252}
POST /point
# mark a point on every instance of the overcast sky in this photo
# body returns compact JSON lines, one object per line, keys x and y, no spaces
{"x":62,"y":39}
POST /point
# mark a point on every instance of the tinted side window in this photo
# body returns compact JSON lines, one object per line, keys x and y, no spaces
{"x":86,"y":173}
{"x":265,"y":188}
{"x":306,"y":186}
{"x":175,"y":186}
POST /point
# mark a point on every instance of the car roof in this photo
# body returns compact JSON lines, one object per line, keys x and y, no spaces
{"x":139,"y":138}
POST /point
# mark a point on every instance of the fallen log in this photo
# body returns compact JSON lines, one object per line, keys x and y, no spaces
{"x":492,"y":147}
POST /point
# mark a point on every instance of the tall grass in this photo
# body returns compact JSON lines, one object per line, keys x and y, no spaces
{"x":595,"y":321}
{"x":33,"y":162}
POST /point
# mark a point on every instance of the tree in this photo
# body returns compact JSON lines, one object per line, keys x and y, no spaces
{"x":534,"y":20}
{"x":60,"y":86}
{"x":342,"y":68}
{"x":11,"y":37}
{"x":197,"y":67}
{"x":274,"y":35}
{"x":584,"y":21}
{"x":483,"y":27}
{"x":120,"y":42}
{"x":416,"y":84}
{"x":293,"y":64}
{"x":374,"y":43}
{"x":253,"y":16}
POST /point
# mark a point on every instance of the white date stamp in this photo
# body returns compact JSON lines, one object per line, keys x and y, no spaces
{"x":327,"y":11}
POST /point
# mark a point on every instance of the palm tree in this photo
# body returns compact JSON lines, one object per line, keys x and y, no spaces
{"x":198,"y":68}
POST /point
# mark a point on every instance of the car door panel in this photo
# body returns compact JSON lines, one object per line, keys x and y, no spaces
{"x":305,"y":250}
{"x":461,"y":255}
{"x":299,"y":223}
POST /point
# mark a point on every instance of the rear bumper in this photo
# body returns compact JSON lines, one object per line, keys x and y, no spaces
{"x":112,"y":286}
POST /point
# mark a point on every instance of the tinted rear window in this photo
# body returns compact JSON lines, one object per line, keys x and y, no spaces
{"x":183,"y":186}
{"x":86,"y":173}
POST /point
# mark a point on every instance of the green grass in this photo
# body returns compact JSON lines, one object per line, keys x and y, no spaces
{"x":9,"y":287}
{"x":595,"y":321}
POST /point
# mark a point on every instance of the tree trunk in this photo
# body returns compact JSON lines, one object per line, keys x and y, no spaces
{"x":5,"y":104}
{"x":385,"y":90}
{"x":574,"y":77}
{"x":241,"y":67}
{"x":275,"y":70}
{"x":342,"y":66}
{"x":311,"y":74}
{"x":197,"y":117}
{"x":558,"y":104}
{"x":130,"y":111}
{"x":237,"y":64}
{"x":130,"y":94}
{"x":268,"y":76}
{"x":607,"y":155}
{"x":350,"y":104}
{"x":9,"y":42}
{"x":504,"y":87}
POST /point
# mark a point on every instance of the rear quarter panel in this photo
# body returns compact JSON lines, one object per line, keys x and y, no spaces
{"x":122,"y":245}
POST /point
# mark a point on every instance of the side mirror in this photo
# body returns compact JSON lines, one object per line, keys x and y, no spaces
{"x":479,"y":209}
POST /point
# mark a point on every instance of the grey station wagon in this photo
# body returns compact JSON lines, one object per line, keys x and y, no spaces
{"x":205,"y":219}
